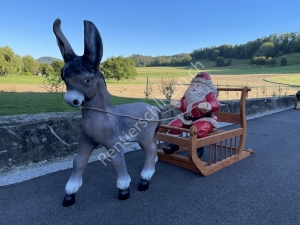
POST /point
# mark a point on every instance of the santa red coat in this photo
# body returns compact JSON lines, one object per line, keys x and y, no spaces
{"x":195,"y":112}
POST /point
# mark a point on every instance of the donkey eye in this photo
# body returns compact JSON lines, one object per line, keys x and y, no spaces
{"x":87,"y":80}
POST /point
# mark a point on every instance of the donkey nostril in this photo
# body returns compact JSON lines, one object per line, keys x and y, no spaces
{"x":75,"y":102}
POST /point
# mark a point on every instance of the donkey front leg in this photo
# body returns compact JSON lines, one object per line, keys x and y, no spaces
{"x":85,"y":149}
{"x":149,"y":165}
{"x":123,"y":178}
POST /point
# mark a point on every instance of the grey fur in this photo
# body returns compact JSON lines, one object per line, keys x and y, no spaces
{"x":87,"y":85}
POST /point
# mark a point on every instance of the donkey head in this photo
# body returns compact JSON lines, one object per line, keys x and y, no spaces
{"x":80,"y":73}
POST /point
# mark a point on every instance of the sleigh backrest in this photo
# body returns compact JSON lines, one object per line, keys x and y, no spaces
{"x":237,"y":118}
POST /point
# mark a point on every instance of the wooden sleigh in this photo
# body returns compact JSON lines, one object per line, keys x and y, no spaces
{"x":222,"y":147}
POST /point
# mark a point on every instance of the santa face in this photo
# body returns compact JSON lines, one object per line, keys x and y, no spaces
{"x":196,"y":92}
{"x":195,"y":86}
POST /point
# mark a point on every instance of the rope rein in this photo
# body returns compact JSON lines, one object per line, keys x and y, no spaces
{"x":140,"y":119}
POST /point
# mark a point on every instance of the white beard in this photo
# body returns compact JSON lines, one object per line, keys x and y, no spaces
{"x":195,"y":96}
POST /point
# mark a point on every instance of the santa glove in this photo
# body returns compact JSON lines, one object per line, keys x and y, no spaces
{"x":175,"y":104}
{"x":204,"y":107}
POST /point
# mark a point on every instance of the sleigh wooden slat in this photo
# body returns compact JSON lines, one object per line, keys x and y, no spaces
{"x":222,"y":147}
{"x":228,"y":117}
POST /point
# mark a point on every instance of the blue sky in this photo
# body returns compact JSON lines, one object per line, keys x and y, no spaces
{"x":153,"y":27}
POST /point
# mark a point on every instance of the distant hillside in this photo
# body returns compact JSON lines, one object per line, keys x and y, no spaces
{"x":46,"y":59}
{"x":275,"y":45}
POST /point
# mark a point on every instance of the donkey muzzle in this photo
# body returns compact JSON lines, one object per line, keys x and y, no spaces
{"x":74,"y":98}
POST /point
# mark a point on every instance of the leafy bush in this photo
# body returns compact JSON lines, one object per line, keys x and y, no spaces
{"x":280,"y":53}
{"x":53,"y":83}
{"x":28,"y":73}
{"x":167,"y":87}
{"x":259,"y":60}
{"x":220,"y":61}
{"x":228,"y":62}
{"x":148,"y":90}
{"x":283,"y":61}
{"x":271,"y":61}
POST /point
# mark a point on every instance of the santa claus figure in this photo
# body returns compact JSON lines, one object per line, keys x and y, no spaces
{"x":198,"y":105}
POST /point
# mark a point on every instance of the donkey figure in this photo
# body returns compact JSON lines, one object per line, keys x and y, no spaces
{"x":102,"y":123}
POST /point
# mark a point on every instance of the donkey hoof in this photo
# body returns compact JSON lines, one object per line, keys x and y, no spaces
{"x":124,"y":194}
{"x":69,"y":200}
{"x":143,"y":185}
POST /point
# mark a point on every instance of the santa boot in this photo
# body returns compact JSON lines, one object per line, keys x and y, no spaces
{"x":200,"y":152}
{"x":170,"y":148}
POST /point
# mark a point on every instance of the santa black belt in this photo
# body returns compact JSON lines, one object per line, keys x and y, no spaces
{"x":186,"y":117}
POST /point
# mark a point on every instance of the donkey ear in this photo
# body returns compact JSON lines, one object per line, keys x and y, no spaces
{"x":63,"y":44}
{"x":93,"y":47}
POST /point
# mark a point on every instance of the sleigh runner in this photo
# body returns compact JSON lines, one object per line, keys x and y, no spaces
{"x":222,"y":147}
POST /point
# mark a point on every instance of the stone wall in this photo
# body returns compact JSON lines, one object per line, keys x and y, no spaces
{"x":28,"y":139}
{"x":254,"y":107}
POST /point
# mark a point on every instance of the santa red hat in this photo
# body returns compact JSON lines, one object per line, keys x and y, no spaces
{"x":202,"y":77}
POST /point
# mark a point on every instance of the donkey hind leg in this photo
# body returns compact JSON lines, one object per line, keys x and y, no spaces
{"x":75,"y":181}
{"x":149,"y":165}
{"x":123,"y":178}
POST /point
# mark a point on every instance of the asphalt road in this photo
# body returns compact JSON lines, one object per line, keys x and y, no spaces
{"x":261,"y":189}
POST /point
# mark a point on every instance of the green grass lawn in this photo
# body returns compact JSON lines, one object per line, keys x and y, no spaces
{"x":21,"y":80}
{"x":290,"y":80}
{"x":13,"y":103}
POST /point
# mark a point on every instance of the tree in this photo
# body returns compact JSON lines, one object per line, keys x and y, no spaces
{"x":225,"y":50}
{"x":236,"y":50}
{"x":10,"y":63}
{"x":45,"y":69}
{"x":141,"y":61}
{"x":283,"y":61}
{"x":220,"y":61}
{"x":30,"y":65}
{"x":57,"y":65}
{"x":119,"y":68}
{"x":160,"y":61}
{"x":267,"y":49}
{"x":250,"y":48}
{"x":214,"y":55}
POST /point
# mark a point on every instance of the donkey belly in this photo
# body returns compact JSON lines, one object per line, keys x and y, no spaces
{"x":139,"y":130}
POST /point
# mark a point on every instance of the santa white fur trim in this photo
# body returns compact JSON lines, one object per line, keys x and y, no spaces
{"x":198,"y":79}
{"x":209,"y":119}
